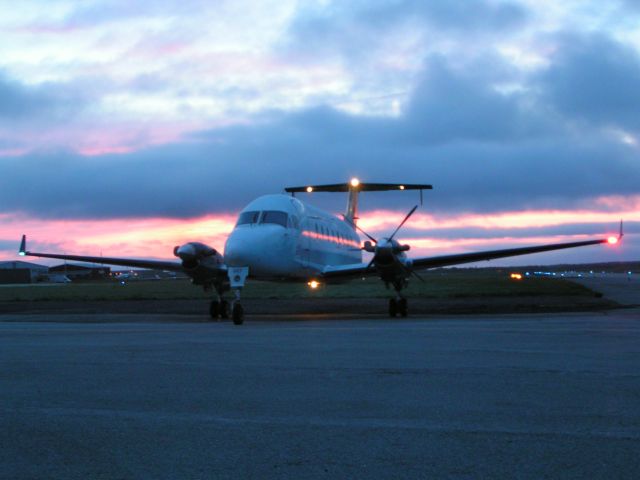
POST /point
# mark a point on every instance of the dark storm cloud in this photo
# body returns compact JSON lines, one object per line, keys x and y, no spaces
{"x":22,"y":102}
{"x":483,"y":151}
{"x":596,"y":79}
{"x":449,"y":105}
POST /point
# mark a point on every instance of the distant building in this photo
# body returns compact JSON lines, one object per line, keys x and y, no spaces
{"x":22,"y":272}
{"x":81,"y":272}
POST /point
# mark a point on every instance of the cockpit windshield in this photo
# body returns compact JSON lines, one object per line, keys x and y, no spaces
{"x":273,"y":216}
{"x":246,"y":218}
{"x":267,"y":216}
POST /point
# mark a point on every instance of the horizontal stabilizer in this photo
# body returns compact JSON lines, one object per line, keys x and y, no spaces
{"x":361,"y":186}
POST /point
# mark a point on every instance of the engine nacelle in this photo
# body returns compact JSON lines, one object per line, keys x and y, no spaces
{"x":401,"y":248}
{"x":196,"y":254}
{"x":368,"y":247}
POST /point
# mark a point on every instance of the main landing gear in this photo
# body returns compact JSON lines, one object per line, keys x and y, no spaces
{"x":220,"y":309}
{"x":398,"y":306}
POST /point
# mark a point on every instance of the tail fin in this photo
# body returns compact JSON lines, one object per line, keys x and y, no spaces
{"x":354,"y":187}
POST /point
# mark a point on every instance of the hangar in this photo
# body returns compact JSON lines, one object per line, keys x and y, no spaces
{"x":22,"y":272}
{"x":80,"y":272}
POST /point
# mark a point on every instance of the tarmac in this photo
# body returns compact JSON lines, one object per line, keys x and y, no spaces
{"x":165,"y":396}
{"x":623,"y":289}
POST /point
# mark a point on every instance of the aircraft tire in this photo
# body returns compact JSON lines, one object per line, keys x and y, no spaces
{"x":238,"y":314}
{"x":224,"y":309}
{"x":393,"y":307}
{"x":214,"y":309}
{"x":403,"y":307}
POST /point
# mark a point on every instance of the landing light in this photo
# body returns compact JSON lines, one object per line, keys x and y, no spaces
{"x":401,"y":187}
{"x":309,"y":189}
{"x":612,"y":240}
{"x":355,"y":182}
{"x":22,"y":254}
{"x":516,"y":276}
{"x":313,"y":284}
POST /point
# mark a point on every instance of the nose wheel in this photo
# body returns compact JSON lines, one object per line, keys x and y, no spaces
{"x":237,"y":314}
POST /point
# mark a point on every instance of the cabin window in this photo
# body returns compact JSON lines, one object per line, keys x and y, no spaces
{"x":273,"y":216}
{"x":246,"y":218}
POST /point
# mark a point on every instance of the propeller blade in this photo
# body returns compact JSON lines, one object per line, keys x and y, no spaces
{"x":411,"y":271}
{"x":403,"y":222}
{"x":370,"y":263}
{"x":357,"y":227}
{"x":415,"y":274}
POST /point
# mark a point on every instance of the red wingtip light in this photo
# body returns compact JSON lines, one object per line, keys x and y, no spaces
{"x":612,"y":240}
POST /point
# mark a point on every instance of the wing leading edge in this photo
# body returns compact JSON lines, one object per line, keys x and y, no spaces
{"x":359,"y":270}
{"x":125,"y":262}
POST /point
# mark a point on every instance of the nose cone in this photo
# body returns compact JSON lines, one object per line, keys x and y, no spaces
{"x":262,"y":249}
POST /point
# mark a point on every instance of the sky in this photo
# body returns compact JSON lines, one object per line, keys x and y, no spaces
{"x":129,"y":127}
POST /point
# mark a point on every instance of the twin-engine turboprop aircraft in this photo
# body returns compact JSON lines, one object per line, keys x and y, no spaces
{"x":280,"y":238}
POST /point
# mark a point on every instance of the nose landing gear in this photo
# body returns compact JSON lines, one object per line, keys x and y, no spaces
{"x":237,"y":314}
{"x":237,"y":277}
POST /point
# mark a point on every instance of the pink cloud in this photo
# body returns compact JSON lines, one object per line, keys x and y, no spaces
{"x":615,"y":208}
{"x":145,"y":237}
{"x":95,"y":138}
{"x":156,"y":237}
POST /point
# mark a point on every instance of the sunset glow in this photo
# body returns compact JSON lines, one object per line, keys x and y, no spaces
{"x":130,"y":127}
{"x":156,"y":237}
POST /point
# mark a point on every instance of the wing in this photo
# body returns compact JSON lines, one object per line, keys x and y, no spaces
{"x":360,"y":270}
{"x":125,"y":262}
{"x":457,"y":259}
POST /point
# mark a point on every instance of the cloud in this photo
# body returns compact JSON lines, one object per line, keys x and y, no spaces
{"x":483,"y":150}
{"x":48,"y":101}
{"x":348,"y":25}
{"x":595,"y":79}
{"x":449,"y":105}
{"x":225,"y":168}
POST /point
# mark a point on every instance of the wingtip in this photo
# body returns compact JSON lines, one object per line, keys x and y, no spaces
{"x":23,"y":246}
{"x":621,"y":233}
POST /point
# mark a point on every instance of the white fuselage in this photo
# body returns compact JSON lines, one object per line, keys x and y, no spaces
{"x":280,"y":237}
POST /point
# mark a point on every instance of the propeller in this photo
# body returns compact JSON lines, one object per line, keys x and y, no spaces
{"x":388,"y":246}
{"x":403,"y":222}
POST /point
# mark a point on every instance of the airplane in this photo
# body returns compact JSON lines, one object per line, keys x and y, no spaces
{"x":281,"y":238}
